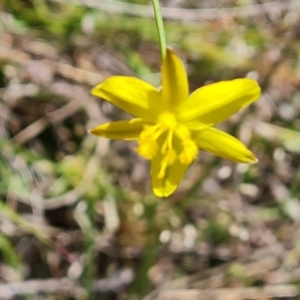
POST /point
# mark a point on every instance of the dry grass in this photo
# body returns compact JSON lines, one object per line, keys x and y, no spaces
{"x":77,"y":217}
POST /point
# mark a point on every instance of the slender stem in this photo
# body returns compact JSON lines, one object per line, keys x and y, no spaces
{"x":160,"y":28}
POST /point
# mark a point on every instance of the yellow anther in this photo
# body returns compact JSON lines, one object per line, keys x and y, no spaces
{"x":147,"y":149}
{"x":189,"y":152}
{"x":148,"y":146}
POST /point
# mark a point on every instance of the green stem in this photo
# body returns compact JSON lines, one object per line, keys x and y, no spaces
{"x":160,"y":28}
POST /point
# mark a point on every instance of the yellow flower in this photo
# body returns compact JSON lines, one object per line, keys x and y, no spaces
{"x":170,"y":125}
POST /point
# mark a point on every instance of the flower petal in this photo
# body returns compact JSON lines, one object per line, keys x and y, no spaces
{"x":166,"y":186}
{"x":175,"y":87}
{"x":173,"y":173}
{"x":224,"y":145}
{"x":132,"y":95}
{"x":122,"y":130}
{"x":216,"y":102}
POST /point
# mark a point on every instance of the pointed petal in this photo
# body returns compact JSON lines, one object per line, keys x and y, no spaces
{"x":216,"y":102}
{"x":224,"y":145}
{"x":175,"y":88}
{"x":166,"y":186}
{"x":122,"y":130}
{"x":132,"y":95}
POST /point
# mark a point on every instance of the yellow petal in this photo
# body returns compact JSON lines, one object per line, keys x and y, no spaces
{"x":224,"y":145}
{"x":216,"y":102}
{"x":122,"y":130}
{"x":132,"y":95}
{"x":175,"y":88}
{"x":166,"y":186}
{"x":165,"y":183}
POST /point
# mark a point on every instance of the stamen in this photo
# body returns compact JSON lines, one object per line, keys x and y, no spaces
{"x":185,"y":149}
{"x":168,"y":144}
{"x":189,"y":151}
{"x":147,"y":149}
{"x":148,"y":146}
{"x":167,"y":160}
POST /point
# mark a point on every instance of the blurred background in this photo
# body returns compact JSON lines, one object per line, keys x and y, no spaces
{"x":78,"y":219}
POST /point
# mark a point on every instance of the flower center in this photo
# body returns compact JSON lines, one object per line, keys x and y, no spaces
{"x":169,"y":139}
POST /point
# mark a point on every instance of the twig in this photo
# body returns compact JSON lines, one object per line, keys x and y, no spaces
{"x":62,"y":69}
{"x":70,"y":198}
{"x":257,"y":265}
{"x":53,"y":118}
{"x":268,"y":292}
{"x":64,"y":285}
{"x":27,"y":226}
